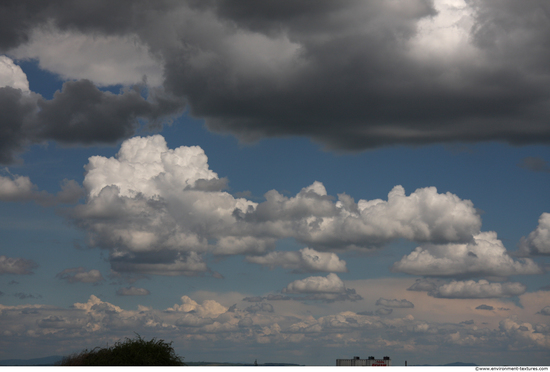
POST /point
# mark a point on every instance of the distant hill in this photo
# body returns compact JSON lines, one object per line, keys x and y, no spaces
{"x":213,"y":364}
{"x":51,"y":360}
{"x":46,"y":361}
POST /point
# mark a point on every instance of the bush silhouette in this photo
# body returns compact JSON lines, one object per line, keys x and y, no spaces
{"x":131,"y":352}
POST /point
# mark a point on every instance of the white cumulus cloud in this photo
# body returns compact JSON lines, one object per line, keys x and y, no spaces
{"x":480,"y":289}
{"x":12,"y":75}
{"x":304,"y":260}
{"x":538,"y":241}
{"x":316,"y":284}
{"x":151,"y":201}
{"x":485,"y":255}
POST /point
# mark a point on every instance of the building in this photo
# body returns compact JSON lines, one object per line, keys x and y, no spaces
{"x":369,"y":362}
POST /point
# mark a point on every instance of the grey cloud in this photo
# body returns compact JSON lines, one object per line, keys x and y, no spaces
{"x":425,"y":285}
{"x":15,"y":188}
{"x":132,"y":291}
{"x":260,"y":307}
{"x":78,"y":114}
{"x":254,"y":299}
{"x":17,"y":266}
{"x":394,"y":303}
{"x":165,"y":262}
{"x":79,"y":274}
{"x":383,"y":311}
{"x":480,"y":289}
{"x":305,"y":260}
{"x":274,"y":297}
{"x":215,"y":184}
{"x":351,"y":75}
{"x":485,"y":307}
{"x":534,"y":164}
{"x":545,"y":311}
{"x":24,"y":296}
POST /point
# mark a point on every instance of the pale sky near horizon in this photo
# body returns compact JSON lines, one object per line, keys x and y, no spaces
{"x":289,"y":181}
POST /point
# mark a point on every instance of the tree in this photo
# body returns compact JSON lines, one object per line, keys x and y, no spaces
{"x":131,"y":352}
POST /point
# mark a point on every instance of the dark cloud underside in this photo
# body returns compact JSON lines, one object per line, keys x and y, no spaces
{"x":350,"y":74}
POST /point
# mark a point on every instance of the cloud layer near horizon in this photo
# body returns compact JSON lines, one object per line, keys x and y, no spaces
{"x":195,"y":322}
{"x":351,"y":75}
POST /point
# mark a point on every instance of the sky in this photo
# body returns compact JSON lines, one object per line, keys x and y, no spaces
{"x":281,"y":181}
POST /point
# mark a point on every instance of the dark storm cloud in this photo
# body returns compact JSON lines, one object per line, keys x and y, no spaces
{"x":347,"y":74}
{"x":18,"y":18}
{"x":78,"y":114}
{"x":358,"y":88}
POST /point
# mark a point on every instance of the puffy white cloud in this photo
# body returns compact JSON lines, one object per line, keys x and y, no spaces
{"x":18,"y":266}
{"x":80,"y":274}
{"x":132,"y":291}
{"x":12,"y":75}
{"x":330,"y":288}
{"x":312,"y":218}
{"x":16,"y":188}
{"x":484,"y":255}
{"x":523,"y":335}
{"x":538,"y":241}
{"x":152,"y":201}
{"x":305,"y":260}
{"x":105,"y":60}
{"x":394,"y":303}
{"x":316,"y":284}
{"x":480,"y":289}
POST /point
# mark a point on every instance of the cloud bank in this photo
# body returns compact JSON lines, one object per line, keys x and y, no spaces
{"x":335,"y":73}
{"x":159,"y":211}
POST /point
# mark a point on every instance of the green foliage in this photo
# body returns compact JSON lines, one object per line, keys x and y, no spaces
{"x":131,"y":352}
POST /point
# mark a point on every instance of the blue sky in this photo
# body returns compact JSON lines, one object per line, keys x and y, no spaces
{"x":271,"y":190}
